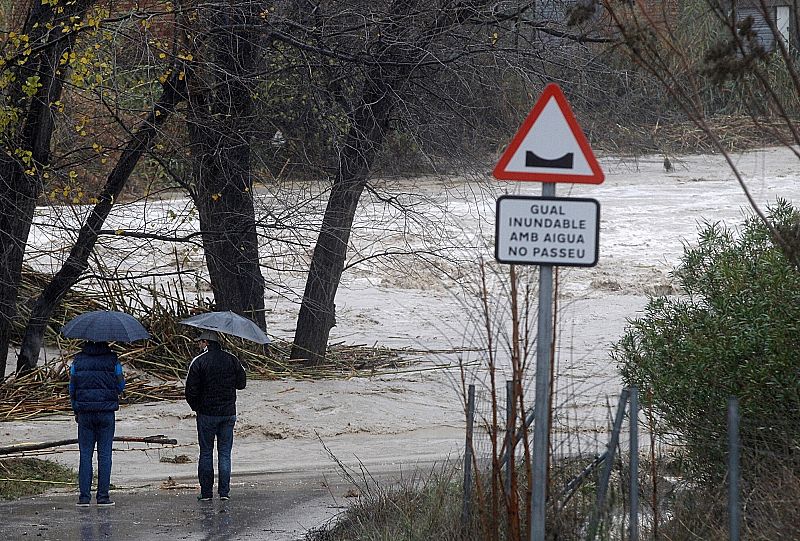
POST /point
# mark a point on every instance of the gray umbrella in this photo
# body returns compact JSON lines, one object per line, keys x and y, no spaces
{"x":105,"y":326}
{"x":229,"y":323}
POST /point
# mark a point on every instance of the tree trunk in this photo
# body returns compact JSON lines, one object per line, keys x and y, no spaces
{"x":367,"y":131}
{"x":78,"y":260}
{"x":28,"y":150}
{"x":224,"y":202}
{"x":16,"y":214}
{"x":398,"y":45}
{"x":220,"y":132}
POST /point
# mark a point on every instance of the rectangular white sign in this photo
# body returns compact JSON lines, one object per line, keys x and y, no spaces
{"x":547,"y":231}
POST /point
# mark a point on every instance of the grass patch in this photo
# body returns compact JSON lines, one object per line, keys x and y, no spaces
{"x":420,"y":508}
{"x":428,"y":506}
{"x":21,"y":477}
{"x":769,"y":497}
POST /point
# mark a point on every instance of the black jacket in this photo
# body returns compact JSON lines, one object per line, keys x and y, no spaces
{"x":213,"y":378}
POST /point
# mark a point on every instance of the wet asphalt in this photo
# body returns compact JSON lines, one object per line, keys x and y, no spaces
{"x":264,"y":508}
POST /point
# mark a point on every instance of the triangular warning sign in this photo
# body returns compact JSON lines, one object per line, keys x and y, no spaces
{"x":550,"y":146}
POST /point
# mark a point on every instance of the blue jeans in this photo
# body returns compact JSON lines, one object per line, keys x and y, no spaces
{"x":208,"y":428}
{"x":95,"y":428}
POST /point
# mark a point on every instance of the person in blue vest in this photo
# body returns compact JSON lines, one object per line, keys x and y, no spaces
{"x":95,"y":383}
{"x":211,"y":384}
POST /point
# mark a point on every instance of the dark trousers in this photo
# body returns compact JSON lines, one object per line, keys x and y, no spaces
{"x":95,"y":428}
{"x":210,"y":427}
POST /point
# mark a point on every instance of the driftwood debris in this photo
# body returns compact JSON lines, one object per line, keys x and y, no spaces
{"x":159,"y":439}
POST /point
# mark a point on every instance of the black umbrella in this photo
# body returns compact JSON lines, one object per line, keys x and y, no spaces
{"x":105,"y":326}
{"x":229,"y":323}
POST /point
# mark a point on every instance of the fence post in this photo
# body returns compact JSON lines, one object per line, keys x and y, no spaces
{"x":634,"y":466}
{"x":733,"y":468}
{"x":519,"y":435}
{"x":467,"y":504}
{"x":602,"y":486}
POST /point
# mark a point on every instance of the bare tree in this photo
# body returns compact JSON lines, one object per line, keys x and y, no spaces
{"x":220,"y":120}
{"x":78,"y":260}
{"x":228,"y":228}
{"x":34,"y":82}
{"x":408,"y":48}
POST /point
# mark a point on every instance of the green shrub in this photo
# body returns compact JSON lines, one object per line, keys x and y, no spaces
{"x":735,"y":332}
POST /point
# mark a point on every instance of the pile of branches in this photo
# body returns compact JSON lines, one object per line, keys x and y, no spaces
{"x":170,"y":350}
{"x":154,"y":368}
{"x":168,"y":358}
{"x":45,"y":390}
{"x":153,"y":373}
{"x":74,"y":303}
{"x":737,"y":133}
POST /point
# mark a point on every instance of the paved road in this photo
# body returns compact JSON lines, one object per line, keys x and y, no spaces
{"x":278,"y":508}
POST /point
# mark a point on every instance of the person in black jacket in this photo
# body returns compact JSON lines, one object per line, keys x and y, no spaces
{"x":95,"y":383}
{"x":211,"y":384}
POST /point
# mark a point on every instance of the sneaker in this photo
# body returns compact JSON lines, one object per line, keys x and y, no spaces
{"x":204,"y":498}
{"x":83,"y":503}
{"x":224,"y":498}
{"x":105,"y":503}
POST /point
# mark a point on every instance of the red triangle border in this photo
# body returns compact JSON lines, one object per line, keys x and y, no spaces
{"x":552,"y":90}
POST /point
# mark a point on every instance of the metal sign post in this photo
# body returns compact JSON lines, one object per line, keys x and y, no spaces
{"x":549,"y":147}
{"x":540,"y":429}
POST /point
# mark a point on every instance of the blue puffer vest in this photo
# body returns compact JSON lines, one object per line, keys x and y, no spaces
{"x":94,"y":379}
